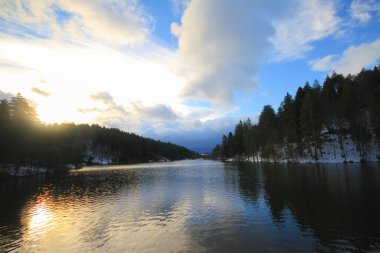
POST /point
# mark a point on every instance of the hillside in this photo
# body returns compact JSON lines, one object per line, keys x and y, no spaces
{"x":338,"y":121}
{"x":27,"y":143}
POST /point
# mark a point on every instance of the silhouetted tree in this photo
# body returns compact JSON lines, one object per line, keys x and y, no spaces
{"x":343,"y":105}
{"x":25,"y":141}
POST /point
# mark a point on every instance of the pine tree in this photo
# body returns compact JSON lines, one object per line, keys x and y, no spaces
{"x":231,"y":147}
{"x":5,"y":138}
{"x":268,"y":131}
{"x":239,"y":136}
{"x":288,"y":123}
{"x":375,"y":112}
{"x":297,"y":108}
{"x":22,"y":112}
{"x":310,"y":121}
{"x":248,"y":138}
{"x":344,"y":105}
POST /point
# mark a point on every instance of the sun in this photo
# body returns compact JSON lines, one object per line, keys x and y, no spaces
{"x":57,"y":109}
{"x":67,"y":76}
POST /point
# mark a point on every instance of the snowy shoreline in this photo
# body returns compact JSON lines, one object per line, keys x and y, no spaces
{"x":22,"y":171}
{"x":301,"y":161}
{"x":332,"y":151}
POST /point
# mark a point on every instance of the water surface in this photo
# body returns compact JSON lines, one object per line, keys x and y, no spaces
{"x":195,"y":206}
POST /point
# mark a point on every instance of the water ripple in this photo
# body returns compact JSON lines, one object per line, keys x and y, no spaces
{"x":195,"y":206}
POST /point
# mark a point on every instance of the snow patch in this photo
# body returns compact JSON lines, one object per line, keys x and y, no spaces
{"x":332,"y":150}
{"x":22,"y":171}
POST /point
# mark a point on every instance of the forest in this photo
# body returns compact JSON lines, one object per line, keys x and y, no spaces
{"x":25,"y":141}
{"x":318,"y":119}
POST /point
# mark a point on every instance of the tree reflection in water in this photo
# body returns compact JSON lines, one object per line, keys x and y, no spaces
{"x":338,"y":204}
{"x":195,"y":206}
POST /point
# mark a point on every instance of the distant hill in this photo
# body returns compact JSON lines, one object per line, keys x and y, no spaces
{"x":25,"y":142}
{"x":336,"y":122}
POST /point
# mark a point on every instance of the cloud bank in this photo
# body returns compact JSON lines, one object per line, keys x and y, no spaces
{"x":40,"y":92}
{"x":119,"y":22}
{"x":5,"y":95}
{"x":301,"y":25}
{"x":220,"y":44}
{"x":161,"y":121}
{"x":363,"y":10}
{"x":351,"y":61}
{"x":100,"y":56}
{"x":223,"y":43}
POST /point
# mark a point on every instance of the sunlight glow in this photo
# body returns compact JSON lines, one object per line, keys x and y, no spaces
{"x":40,"y":218}
{"x":71,"y":74}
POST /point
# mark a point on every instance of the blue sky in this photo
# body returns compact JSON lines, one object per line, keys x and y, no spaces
{"x":183,"y":71}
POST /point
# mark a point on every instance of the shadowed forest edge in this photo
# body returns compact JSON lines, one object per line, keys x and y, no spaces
{"x":338,"y":121}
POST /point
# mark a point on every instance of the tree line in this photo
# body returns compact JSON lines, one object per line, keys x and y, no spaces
{"x":341,"y":106}
{"x":25,"y":141}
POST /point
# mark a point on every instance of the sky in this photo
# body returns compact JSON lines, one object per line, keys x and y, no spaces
{"x":184,"y":71}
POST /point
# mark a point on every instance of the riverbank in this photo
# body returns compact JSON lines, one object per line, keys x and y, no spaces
{"x":22,"y":171}
{"x":334,"y":151}
{"x":29,"y":170}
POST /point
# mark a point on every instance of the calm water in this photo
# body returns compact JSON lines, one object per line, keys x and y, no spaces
{"x":195,"y":206}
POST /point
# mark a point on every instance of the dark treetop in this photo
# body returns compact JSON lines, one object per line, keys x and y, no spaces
{"x":27,"y":142}
{"x":342,"y":106}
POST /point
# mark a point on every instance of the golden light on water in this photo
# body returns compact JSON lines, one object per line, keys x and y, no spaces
{"x":39,"y":218}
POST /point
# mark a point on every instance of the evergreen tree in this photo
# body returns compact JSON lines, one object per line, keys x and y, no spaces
{"x":22,"y":112}
{"x":375,"y":112}
{"x":5,"y":138}
{"x":288,"y":123}
{"x":297,"y":110}
{"x":309,"y":119}
{"x":25,"y":141}
{"x":239,"y":137}
{"x":249,"y":140}
{"x":231,"y":148}
{"x":287,"y":116}
{"x":268,"y":131}
{"x":343,"y":105}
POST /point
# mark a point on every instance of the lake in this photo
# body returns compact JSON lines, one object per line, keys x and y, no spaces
{"x":194,"y":206}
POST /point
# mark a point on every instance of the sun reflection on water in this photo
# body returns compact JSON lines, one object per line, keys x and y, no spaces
{"x":39,"y":217}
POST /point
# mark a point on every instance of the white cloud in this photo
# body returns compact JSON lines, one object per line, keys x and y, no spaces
{"x":5,"y":95}
{"x":104,"y":97}
{"x":40,"y":92}
{"x":134,"y":91}
{"x":36,"y":13}
{"x":302,"y":25}
{"x":158,"y":112}
{"x":133,"y":116}
{"x":122,"y":22}
{"x":119,"y":22}
{"x":322,"y":64}
{"x":221,"y":44}
{"x":362,"y":11}
{"x":175,"y":29}
{"x":72,"y":72}
{"x":352,"y":59}
{"x":179,"y":5}
{"x":161,"y":121}
{"x":192,"y":133}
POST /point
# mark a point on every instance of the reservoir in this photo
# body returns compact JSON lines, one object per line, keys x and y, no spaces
{"x":194,"y":206}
